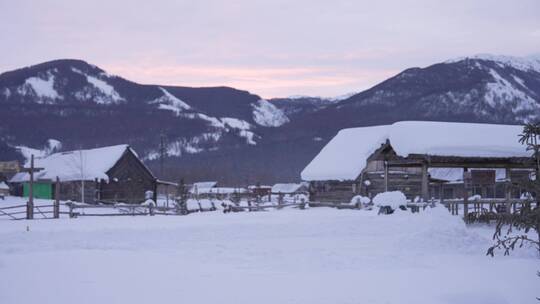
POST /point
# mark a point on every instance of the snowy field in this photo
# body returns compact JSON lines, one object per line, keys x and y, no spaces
{"x":317,"y":255}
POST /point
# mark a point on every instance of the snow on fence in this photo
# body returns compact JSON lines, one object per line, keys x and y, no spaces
{"x":477,"y":209}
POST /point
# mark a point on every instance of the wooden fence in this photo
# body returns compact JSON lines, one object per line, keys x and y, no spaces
{"x":24,"y":211}
{"x":485,"y":209}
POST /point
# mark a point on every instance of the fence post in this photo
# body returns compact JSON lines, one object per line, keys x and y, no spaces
{"x":70,"y":205}
{"x":508,"y":191}
{"x":30,"y":204}
{"x":56,"y":208}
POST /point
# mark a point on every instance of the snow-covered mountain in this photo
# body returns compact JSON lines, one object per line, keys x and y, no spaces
{"x":494,"y":88}
{"x":238,"y":137}
{"x":79,"y":96}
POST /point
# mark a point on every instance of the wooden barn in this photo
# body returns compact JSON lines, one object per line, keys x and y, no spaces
{"x":413,"y":156}
{"x":107,"y":174}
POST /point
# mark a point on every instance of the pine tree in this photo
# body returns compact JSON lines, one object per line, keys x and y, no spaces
{"x":513,"y":229}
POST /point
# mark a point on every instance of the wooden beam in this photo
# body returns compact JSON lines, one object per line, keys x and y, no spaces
{"x":385,"y":176}
{"x":30,"y":207}
{"x":56,"y":208}
{"x":508,"y":189}
{"x":425,"y":183}
{"x":417,"y":160}
{"x":465,"y":195}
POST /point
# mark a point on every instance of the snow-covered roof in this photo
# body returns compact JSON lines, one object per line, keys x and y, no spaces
{"x":251,"y":187}
{"x":286,"y":188}
{"x":202,"y":187}
{"x":226,"y":190}
{"x":4,"y":186}
{"x":76,"y":165}
{"x":345,"y":156}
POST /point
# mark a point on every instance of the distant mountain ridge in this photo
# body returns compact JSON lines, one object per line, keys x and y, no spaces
{"x":236,"y":136}
{"x":194,"y":119}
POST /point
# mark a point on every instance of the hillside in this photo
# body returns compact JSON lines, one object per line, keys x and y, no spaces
{"x":236,"y":136}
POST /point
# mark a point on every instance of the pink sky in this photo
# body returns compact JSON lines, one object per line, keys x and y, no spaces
{"x":271,"y":48}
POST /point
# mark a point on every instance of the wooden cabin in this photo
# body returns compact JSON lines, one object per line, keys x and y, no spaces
{"x":259,"y":190}
{"x":8,"y":169}
{"x":107,"y":174}
{"x":370,"y":160}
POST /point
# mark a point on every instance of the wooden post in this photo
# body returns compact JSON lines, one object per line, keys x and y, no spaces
{"x":71,"y":214}
{"x":154,"y":196}
{"x":466,"y":182}
{"x":508,"y":189}
{"x":166,"y":196}
{"x":425,"y":182}
{"x":30,"y":206}
{"x":441,"y":194}
{"x":386,"y":176}
{"x":56,"y":210}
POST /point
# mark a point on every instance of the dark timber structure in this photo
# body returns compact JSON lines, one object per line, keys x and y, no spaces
{"x":387,"y":171}
{"x":129,"y":181}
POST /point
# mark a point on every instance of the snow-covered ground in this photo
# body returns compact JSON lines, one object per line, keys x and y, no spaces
{"x":317,"y":255}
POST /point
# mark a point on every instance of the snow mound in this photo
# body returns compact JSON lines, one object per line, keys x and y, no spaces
{"x":360,"y":200}
{"x":393,"y":199}
{"x":436,"y":230}
{"x":267,"y":115}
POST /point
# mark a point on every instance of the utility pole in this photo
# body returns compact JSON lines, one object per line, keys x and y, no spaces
{"x":162,"y":154}
{"x":82,"y":176}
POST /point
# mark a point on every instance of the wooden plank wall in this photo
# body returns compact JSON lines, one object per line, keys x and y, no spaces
{"x":128,"y":181}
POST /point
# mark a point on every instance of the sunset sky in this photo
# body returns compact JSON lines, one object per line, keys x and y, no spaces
{"x":272,"y":48}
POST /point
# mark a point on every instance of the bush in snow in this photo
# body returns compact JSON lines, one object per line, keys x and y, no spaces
{"x":390,"y":201}
{"x":360,"y":201}
{"x":301,"y":198}
{"x":149,"y":203}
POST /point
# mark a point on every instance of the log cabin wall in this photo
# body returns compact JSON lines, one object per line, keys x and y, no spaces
{"x":410,"y":183}
{"x":72,"y":191}
{"x":332,"y":191}
{"x":128,"y":182}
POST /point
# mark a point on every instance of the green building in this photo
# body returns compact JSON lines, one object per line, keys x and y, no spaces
{"x":41,"y":190}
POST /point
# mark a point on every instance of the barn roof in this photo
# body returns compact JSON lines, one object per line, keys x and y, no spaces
{"x":76,"y":165}
{"x":345,"y":156}
{"x":286,"y":188}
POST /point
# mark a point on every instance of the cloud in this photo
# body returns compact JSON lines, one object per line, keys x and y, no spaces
{"x":265,"y":81}
{"x":270,"y":47}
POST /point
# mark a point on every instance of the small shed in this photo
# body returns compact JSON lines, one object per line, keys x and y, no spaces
{"x":202,"y":187}
{"x":371,"y":160}
{"x":290,"y":188}
{"x":260,"y":190}
{"x":4,"y":189}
